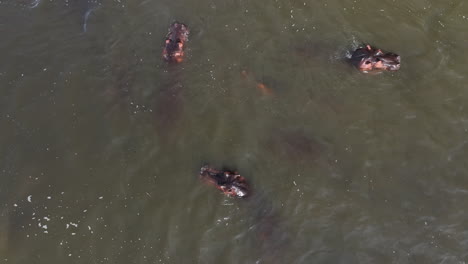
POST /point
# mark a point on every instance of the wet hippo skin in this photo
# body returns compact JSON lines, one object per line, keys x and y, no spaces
{"x":368,"y":59}
{"x":175,"y":42}
{"x":229,"y":182}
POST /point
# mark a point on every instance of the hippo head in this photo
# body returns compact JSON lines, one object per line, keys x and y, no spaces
{"x":175,"y":41}
{"x":229,"y":182}
{"x":368,"y":59}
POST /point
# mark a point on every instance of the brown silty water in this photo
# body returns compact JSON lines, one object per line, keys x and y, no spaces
{"x":102,"y":141}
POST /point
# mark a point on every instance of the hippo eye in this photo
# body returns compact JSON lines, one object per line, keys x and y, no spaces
{"x":368,"y":62}
{"x":377,"y":59}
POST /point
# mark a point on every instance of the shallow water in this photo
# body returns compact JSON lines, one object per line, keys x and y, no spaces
{"x":101,"y":141}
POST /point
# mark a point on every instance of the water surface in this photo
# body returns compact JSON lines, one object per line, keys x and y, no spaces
{"x":101,"y":141}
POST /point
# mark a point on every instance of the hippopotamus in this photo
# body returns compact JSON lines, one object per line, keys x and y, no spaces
{"x":229,"y":182}
{"x":368,"y":59}
{"x":175,"y":42}
{"x":271,"y":238}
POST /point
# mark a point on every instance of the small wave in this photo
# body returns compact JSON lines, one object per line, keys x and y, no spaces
{"x":34,"y":4}
{"x":86,"y":17}
{"x":345,"y":50}
{"x":85,"y":20}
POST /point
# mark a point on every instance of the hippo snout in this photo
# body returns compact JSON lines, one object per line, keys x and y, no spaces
{"x":175,"y":42}
{"x":229,"y":182}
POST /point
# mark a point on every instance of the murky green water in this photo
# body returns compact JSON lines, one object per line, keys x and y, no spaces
{"x":101,"y":142}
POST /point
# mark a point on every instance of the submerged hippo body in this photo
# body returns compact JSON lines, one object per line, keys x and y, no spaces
{"x":368,"y":59}
{"x":175,"y":42}
{"x":229,"y":182}
{"x":270,"y":236}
